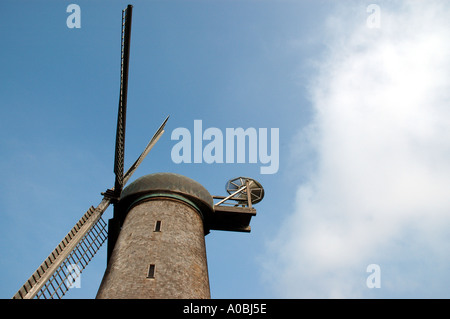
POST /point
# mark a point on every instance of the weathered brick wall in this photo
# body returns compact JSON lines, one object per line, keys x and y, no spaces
{"x":177,"y":251}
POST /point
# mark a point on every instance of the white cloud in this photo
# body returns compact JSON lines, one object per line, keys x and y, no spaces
{"x":380,"y":189}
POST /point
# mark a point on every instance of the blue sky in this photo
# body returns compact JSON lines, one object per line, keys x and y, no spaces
{"x":362,"y":113}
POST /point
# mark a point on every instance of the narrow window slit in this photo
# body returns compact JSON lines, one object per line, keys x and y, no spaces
{"x":158,"y":226}
{"x":151,"y":271}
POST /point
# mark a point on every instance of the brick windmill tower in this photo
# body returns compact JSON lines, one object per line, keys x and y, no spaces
{"x":157,"y":235}
{"x":156,"y":238}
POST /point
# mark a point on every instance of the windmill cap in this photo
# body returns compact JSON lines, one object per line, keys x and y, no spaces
{"x":168,"y":183}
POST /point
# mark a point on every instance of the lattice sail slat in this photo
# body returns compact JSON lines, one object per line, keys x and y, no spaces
{"x":76,"y":249}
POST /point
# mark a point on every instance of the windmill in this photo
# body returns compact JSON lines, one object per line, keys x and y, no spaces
{"x":154,"y":205}
{"x":82,"y":242}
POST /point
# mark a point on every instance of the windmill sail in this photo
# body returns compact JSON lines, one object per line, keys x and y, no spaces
{"x":51,"y":279}
{"x":55,"y":276}
{"x":147,"y":149}
{"x":122,"y":113}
